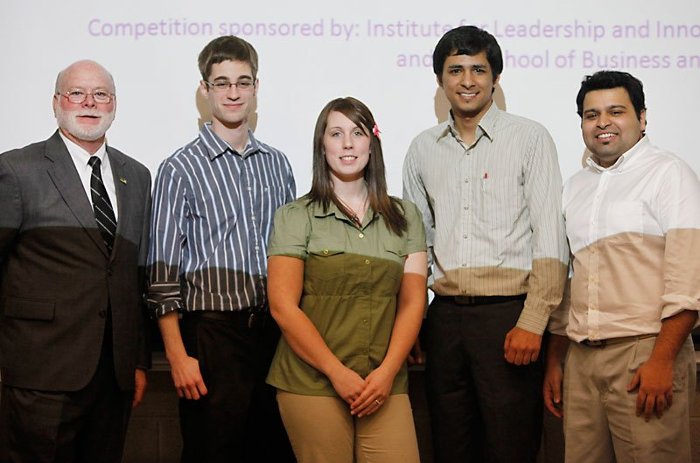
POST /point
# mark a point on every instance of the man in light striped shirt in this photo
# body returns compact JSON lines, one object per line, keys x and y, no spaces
{"x":214,"y":202}
{"x":633,"y":223}
{"x":489,"y":187}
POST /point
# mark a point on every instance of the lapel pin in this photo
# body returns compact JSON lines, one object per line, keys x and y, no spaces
{"x":123,"y":180}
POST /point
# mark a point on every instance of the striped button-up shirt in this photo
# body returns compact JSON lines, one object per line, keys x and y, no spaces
{"x":213,"y":209}
{"x":634,"y":231}
{"x":492,"y":212}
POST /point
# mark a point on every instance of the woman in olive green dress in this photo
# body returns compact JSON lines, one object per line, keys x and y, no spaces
{"x":347,"y":273}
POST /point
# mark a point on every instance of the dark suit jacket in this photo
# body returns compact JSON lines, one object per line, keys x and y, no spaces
{"x":57,"y":280}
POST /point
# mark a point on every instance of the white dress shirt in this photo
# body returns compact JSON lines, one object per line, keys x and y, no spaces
{"x":80,"y":159}
{"x":634,"y":232}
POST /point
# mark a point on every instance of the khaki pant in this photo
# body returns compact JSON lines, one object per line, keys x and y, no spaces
{"x":600,"y":422}
{"x":322,"y":430}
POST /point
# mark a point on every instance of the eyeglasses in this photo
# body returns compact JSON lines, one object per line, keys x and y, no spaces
{"x":221,"y":86}
{"x":78,"y":95}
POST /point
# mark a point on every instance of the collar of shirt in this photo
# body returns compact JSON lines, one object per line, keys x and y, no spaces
{"x":217,"y":146}
{"x":79,"y":155}
{"x":623,"y":162}
{"x":318,"y":211}
{"x":486,"y":127}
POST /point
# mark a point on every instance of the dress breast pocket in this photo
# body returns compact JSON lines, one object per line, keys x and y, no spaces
{"x":327,"y":258}
{"x":394,"y":253}
{"x":326,"y":264}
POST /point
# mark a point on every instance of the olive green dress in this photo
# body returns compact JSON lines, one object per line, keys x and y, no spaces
{"x":352,"y":278}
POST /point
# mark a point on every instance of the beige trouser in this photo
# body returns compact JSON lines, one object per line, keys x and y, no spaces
{"x":322,"y":430}
{"x":600,"y":422}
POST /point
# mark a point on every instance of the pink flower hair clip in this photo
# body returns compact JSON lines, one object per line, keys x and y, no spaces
{"x":376,"y":131}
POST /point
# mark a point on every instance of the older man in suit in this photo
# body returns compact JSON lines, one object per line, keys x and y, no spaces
{"x":73,"y":236}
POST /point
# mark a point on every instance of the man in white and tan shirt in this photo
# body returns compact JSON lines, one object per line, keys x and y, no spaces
{"x":633,"y":224}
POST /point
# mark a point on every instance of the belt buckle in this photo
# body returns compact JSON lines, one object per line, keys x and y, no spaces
{"x":595,"y":343}
{"x":465,"y":300}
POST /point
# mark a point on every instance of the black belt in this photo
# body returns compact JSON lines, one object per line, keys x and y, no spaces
{"x":252,"y":316}
{"x":600,"y":343}
{"x":479,"y":300}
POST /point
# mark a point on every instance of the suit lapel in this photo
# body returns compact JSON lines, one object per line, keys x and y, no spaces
{"x":64,"y":176}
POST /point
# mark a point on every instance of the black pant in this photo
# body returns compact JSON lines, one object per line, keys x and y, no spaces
{"x":238,"y":419}
{"x":86,"y":426}
{"x":482,"y":409}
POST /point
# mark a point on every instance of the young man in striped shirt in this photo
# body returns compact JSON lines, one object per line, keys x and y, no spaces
{"x":214,"y":202}
{"x":489,"y":187}
{"x":633,"y":223}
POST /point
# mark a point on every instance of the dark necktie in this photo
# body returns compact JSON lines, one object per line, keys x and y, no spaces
{"x":104,"y":214}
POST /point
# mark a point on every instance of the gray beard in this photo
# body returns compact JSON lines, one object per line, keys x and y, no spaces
{"x":66,"y":121}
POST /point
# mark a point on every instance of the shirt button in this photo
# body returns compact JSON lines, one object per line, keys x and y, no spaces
{"x":361,"y":235}
{"x":367,"y":261}
{"x":466,"y":208}
{"x":325,"y":252}
{"x":465,"y":236}
{"x":466,"y":180}
{"x":364,"y":321}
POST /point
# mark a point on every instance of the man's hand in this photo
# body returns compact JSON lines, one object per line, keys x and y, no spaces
{"x":187,"y":378}
{"x":415,"y":357}
{"x":551,"y":389}
{"x":521,"y":347}
{"x":184,"y":369}
{"x":655,"y":382}
{"x":557,"y":347}
{"x":140,"y":383}
{"x":654,"y":378}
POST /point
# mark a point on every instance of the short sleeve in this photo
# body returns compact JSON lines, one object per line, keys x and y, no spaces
{"x":290,"y":234}
{"x":415,"y":235}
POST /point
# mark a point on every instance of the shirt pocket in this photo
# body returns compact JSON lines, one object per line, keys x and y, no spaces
{"x":624,"y":222}
{"x":502,"y":201}
{"x":394,"y":247}
{"x":327,"y":259}
{"x":394,"y":251}
{"x":207,"y":211}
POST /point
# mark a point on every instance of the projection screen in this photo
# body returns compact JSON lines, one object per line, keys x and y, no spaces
{"x":378,"y":51}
